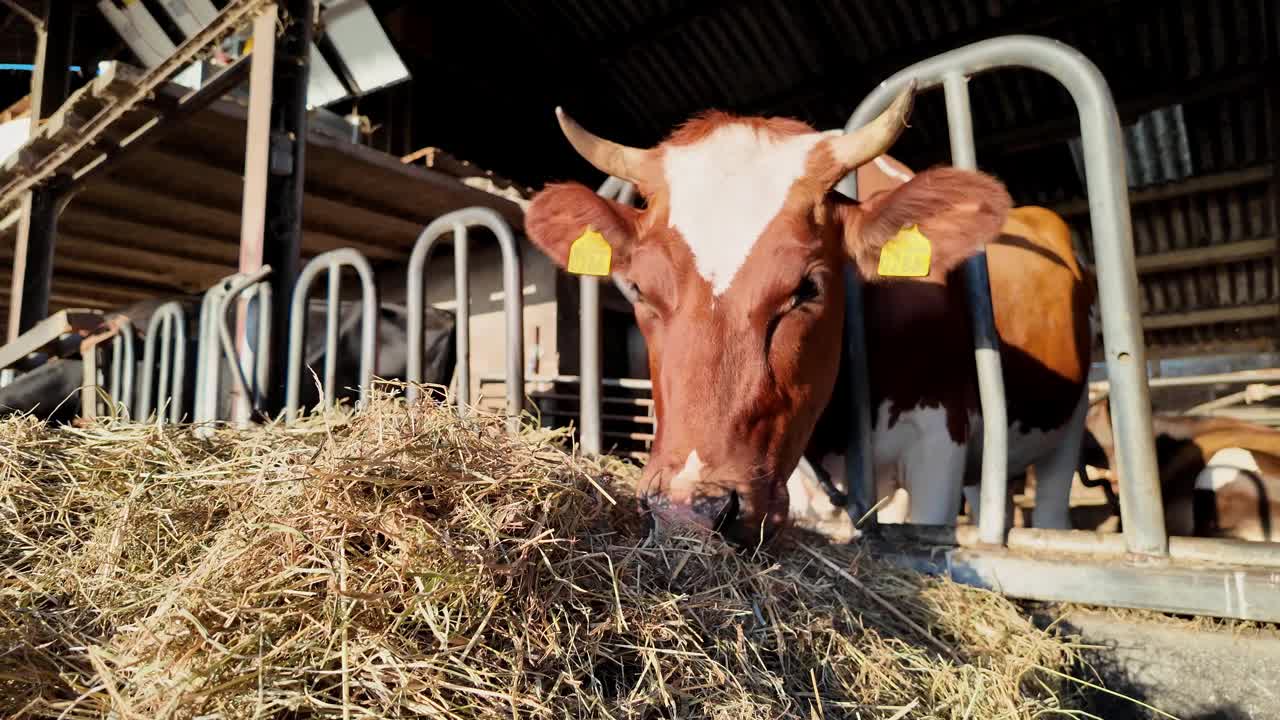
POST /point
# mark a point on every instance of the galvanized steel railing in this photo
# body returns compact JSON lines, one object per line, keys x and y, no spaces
{"x":119,"y":390}
{"x":332,"y":261}
{"x":1117,"y":281}
{"x":210,"y":351}
{"x":168,"y":330}
{"x":457,"y":223}
{"x":591,"y":426}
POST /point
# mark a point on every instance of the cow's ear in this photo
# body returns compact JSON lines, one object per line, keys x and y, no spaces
{"x":956,"y":211}
{"x":562,"y":212}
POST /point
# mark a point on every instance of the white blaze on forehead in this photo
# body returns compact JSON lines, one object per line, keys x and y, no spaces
{"x":691,"y":471}
{"x":726,"y":188}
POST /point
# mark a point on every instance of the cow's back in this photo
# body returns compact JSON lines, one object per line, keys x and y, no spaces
{"x":1041,"y":300}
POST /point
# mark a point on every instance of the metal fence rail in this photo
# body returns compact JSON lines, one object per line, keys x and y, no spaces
{"x":210,"y":351}
{"x":119,"y":391}
{"x":168,"y":330}
{"x":457,"y":224}
{"x":590,"y":431}
{"x":1117,"y":278}
{"x":333,"y":262}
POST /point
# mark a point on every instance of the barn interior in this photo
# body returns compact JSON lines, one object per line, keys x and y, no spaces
{"x":1192,"y":82}
{"x":459,"y":115}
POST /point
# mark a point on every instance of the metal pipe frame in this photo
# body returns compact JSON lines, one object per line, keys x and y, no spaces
{"x":209,"y":353}
{"x":168,"y":329}
{"x":590,"y":431}
{"x":457,"y":223}
{"x":119,"y":392}
{"x":1143,"y":510}
{"x":247,"y":398}
{"x":333,"y":261}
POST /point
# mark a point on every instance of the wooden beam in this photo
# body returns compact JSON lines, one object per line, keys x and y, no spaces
{"x":1215,"y":316}
{"x":1170,"y":191}
{"x":106,"y":225}
{"x":1209,"y":255}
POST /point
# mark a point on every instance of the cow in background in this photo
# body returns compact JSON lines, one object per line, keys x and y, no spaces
{"x":1219,"y":477}
{"x":737,"y":263}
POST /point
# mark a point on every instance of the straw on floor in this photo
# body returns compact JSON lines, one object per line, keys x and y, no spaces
{"x":400,"y":562}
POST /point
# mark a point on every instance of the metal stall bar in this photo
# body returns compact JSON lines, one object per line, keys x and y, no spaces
{"x":457,"y":223}
{"x":119,"y":330}
{"x":1143,"y":513}
{"x":168,"y":329}
{"x":247,"y":398}
{"x":333,"y":261}
{"x":590,"y":395}
{"x":209,"y":351}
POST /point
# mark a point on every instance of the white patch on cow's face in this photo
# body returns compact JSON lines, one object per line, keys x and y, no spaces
{"x":726,"y":188}
{"x":691,"y":471}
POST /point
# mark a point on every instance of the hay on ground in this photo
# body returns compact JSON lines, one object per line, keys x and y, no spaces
{"x":400,"y":562}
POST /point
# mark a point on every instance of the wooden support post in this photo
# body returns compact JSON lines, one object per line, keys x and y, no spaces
{"x":37,"y":228}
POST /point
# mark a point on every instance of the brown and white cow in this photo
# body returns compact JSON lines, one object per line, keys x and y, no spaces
{"x":737,"y":265}
{"x":1219,"y":477}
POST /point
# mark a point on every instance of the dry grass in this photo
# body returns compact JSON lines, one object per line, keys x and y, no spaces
{"x":403,"y":563}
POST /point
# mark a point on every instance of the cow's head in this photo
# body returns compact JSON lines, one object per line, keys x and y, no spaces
{"x":736,"y":262}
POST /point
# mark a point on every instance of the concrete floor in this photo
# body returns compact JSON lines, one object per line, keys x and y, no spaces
{"x":1192,"y":671}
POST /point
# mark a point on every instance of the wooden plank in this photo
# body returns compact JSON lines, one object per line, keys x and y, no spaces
{"x":355,"y":174}
{"x":149,"y":205}
{"x":1200,"y":257}
{"x":106,"y":225}
{"x":320,"y":213}
{"x":46,"y":333}
{"x":77,"y":254}
{"x":1169,"y":191}
{"x":1211,"y":317}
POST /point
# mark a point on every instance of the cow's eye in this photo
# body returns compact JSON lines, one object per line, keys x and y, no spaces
{"x":806,"y":291}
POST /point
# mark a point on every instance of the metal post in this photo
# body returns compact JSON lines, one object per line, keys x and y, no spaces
{"x":462,"y":291}
{"x":298,"y":321}
{"x":986,"y":341}
{"x":590,"y":394}
{"x":37,"y":228}
{"x":168,"y":328}
{"x":248,"y":394}
{"x":333,"y":307}
{"x":512,"y":299}
{"x":282,"y":246}
{"x":1143,"y":511}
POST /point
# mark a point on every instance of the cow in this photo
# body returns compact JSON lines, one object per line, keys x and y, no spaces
{"x":737,"y":262}
{"x":1219,"y":477}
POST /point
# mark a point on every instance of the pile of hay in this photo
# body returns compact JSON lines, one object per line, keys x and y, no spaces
{"x":400,"y":562}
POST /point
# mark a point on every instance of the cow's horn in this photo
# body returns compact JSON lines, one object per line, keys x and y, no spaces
{"x":854,"y":149}
{"x":607,"y":156}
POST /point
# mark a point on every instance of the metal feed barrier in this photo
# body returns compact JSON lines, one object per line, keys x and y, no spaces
{"x":119,"y":391}
{"x":332,"y":261}
{"x":213,"y":345}
{"x":168,"y":329}
{"x":590,"y":431}
{"x":1143,"y":568}
{"x":457,"y":224}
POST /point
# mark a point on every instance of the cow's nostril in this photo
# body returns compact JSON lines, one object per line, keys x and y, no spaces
{"x":728,"y":514}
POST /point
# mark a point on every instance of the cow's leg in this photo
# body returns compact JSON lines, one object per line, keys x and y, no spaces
{"x":934,"y":471}
{"x":1055,"y":472}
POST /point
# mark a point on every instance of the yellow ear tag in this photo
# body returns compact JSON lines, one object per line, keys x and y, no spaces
{"x":590,"y":254}
{"x":906,"y":254}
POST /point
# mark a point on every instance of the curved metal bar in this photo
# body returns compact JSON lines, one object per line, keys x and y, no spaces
{"x":120,"y":389}
{"x":168,"y":328}
{"x":207,"y":354}
{"x":456,"y":223}
{"x":1113,"y":247}
{"x":298,"y":320}
{"x":242,"y":283}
